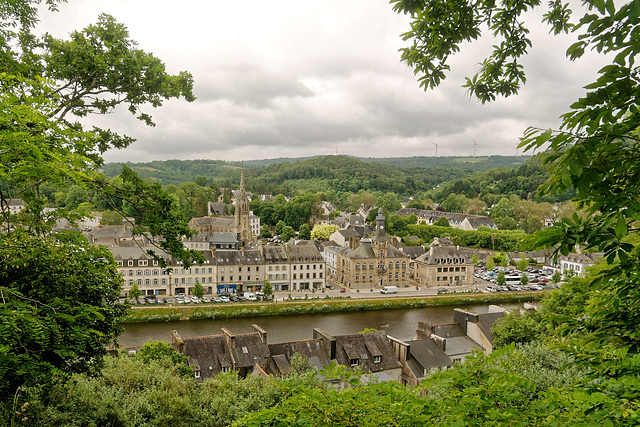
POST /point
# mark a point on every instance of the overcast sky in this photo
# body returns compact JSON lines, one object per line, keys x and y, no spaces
{"x":292,"y":78}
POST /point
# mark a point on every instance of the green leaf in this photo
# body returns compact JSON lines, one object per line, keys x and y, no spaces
{"x":621,"y":227}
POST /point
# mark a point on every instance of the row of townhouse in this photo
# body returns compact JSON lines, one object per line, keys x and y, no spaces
{"x":224,"y":270}
{"x":376,"y":356}
{"x":456,"y":220}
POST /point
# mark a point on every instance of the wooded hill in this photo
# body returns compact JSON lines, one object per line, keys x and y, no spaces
{"x":403,"y":175}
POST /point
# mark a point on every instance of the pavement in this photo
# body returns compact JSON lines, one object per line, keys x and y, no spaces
{"x":411,"y":291}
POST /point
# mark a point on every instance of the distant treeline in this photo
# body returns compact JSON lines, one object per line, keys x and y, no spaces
{"x":403,"y":176}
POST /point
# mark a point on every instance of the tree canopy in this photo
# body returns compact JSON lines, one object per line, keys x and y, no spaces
{"x":58,"y":304}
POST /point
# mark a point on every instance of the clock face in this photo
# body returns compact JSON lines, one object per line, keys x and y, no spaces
{"x":382,"y":227}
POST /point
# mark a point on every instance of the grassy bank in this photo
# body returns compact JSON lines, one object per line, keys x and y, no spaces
{"x":225,"y":311}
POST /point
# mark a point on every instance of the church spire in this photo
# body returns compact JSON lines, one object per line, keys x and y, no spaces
{"x":242,"y":180}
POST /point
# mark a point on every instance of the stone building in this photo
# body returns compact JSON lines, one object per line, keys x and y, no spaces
{"x":372,"y":262}
{"x":444,"y":264}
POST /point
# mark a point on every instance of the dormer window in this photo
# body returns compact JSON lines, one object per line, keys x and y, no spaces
{"x":130,"y":263}
{"x":354,"y":362}
{"x":197,"y":373}
{"x":377,"y":359}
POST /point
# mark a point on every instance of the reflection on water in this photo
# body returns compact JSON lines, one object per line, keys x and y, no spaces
{"x":399,"y":323}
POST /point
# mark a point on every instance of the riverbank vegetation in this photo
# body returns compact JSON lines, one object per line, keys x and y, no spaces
{"x":320,"y":305}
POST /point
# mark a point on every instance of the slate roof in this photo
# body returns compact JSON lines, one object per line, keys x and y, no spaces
{"x":211,"y":222}
{"x":238,"y":257}
{"x":413,"y":251}
{"x":444,"y":255}
{"x":275,"y":254}
{"x":365,"y":251}
{"x":456,"y":219}
{"x":426,"y":354}
{"x":211,"y":353}
{"x":486,"y":321}
{"x":477,"y":221}
{"x":306,"y":253}
{"x":364,"y":347}
{"x":362,"y":230}
{"x":248,"y":350}
{"x":312,"y":350}
{"x":123,"y":252}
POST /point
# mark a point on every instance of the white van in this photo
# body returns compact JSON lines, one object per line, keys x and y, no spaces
{"x":389,"y":290}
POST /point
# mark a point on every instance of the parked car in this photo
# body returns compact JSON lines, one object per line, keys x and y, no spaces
{"x":343,"y":290}
{"x":259,"y":293}
{"x":225,"y":298}
{"x":187,"y":300}
{"x":206,"y":299}
{"x":250,"y":296}
{"x":443,"y":290}
{"x":492,"y":289}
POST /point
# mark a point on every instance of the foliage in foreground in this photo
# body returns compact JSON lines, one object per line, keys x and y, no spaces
{"x":58,"y":308}
{"x":143,"y":391}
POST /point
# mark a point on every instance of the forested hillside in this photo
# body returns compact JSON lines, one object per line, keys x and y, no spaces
{"x":403,"y":176}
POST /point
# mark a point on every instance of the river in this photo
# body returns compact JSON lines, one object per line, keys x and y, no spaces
{"x":399,"y":323}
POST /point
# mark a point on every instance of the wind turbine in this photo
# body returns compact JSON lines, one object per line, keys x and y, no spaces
{"x":436,"y":148}
{"x":474,"y":147}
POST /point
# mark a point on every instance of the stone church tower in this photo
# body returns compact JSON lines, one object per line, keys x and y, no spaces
{"x":242,"y":224}
{"x":379,"y":242}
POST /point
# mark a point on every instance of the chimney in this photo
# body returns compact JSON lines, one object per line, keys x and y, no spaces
{"x":328,"y":341}
{"x":262,"y":332}
{"x":231,"y":338}
{"x":177,"y":341}
{"x":440,"y":342}
{"x":354,"y":242}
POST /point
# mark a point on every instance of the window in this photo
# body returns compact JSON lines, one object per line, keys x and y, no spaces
{"x":130,"y":263}
{"x":226,"y":368}
{"x":377,"y":359}
{"x":357,"y":277}
{"x":143,"y":262}
{"x":404,"y":264}
{"x":197,"y":373}
{"x":397,"y":264}
{"x":120,"y":263}
{"x":354,"y":362}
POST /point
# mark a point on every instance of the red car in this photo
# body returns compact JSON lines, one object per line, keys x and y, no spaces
{"x":343,"y":290}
